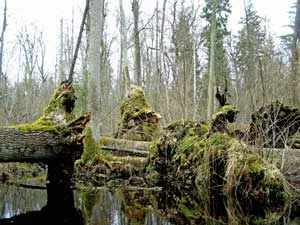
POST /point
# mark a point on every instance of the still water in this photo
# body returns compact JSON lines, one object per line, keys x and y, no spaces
{"x":103,"y":206}
{"x":99,"y":206}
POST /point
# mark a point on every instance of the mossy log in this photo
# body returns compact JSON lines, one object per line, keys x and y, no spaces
{"x":55,"y":135}
{"x":125,"y":147}
{"x":287,"y":160}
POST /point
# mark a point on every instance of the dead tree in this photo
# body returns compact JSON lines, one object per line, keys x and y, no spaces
{"x":222,"y":97}
{"x":227,"y":113}
{"x":55,"y":135}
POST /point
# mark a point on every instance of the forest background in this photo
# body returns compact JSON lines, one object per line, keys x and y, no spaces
{"x":177,"y":51}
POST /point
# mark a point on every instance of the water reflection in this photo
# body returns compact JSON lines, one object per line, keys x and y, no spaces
{"x":108,"y":207}
{"x":16,"y":200}
{"x":23,"y":206}
{"x":103,"y":206}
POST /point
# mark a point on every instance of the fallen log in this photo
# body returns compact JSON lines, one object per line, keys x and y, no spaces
{"x":55,"y":135}
{"x":124,"y":147}
{"x":287,"y":160}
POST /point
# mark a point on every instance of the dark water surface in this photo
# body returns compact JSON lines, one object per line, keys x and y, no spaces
{"x":103,"y":206}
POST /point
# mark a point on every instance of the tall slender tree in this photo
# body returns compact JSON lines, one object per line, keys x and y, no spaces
{"x":123,"y":61}
{"x":211,"y":76}
{"x":216,"y":14}
{"x":295,"y":62}
{"x":2,"y":39}
{"x":250,"y":44}
{"x":136,"y":40}
{"x":95,"y":35}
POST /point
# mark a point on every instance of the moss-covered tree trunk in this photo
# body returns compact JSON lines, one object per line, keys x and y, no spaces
{"x":55,"y":135}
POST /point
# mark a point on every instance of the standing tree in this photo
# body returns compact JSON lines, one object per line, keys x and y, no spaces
{"x":123,"y":61}
{"x":295,"y":56}
{"x":211,"y":76}
{"x":137,"y":47}
{"x":249,"y":48}
{"x":2,"y":39}
{"x":95,"y":35}
{"x":216,"y":13}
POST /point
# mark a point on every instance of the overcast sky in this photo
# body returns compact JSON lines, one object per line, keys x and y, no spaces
{"x":46,"y":14}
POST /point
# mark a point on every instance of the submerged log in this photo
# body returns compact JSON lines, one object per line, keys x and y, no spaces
{"x":56,"y":134}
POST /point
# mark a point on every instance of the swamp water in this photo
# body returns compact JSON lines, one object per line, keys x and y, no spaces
{"x":103,"y":206}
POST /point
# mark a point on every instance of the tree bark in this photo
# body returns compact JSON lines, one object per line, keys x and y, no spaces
{"x":125,"y":147}
{"x":136,"y":38}
{"x":95,"y":36}
{"x":123,"y":62}
{"x":71,"y":72}
{"x":295,"y":56}
{"x":2,"y":38}
{"x":211,"y":64}
{"x":38,"y":146}
{"x":55,"y":135}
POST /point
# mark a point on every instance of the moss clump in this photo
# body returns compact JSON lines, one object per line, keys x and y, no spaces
{"x":210,"y":176}
{"x":57,"y":114}
{"x":257,"y":187}
{"x":138,"y":121}
{"x":90,"y":148}
{"x":135,"y":104}
{"x":220,"y":120}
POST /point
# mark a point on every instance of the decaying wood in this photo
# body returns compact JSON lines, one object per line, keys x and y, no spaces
{"x":33,"y":146}
{"x":125,"y":147}
{"x":55,"y":135}
{"x":287,"y":160}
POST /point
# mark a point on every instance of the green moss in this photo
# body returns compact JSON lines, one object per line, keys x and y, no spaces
{"x":135,"y":104}
{"x":57,"y":114}
{"x":37,"y":126}
{"x":106,"y":140}
{"x":138,"y":121}
{"x":90,"y":147}
{"x":190,"y":212}
{"x":211,"y":173}
{"x":224,"y":110}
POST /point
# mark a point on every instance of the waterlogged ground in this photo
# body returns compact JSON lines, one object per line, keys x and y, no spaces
{"x":101,"y":206}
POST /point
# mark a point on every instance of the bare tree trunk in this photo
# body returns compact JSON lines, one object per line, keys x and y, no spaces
{"x":161,"y":60}
{"x":123,"y":61}
{"x":137,"y":47}
{"x":74,"y":58}
{"x":2,"y":38}
{"x":61,"y":53}
{"x":211,"y":78}
{"x":195,"y":79}
{"x":295,"y":56}
{"x":94,"y":66}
